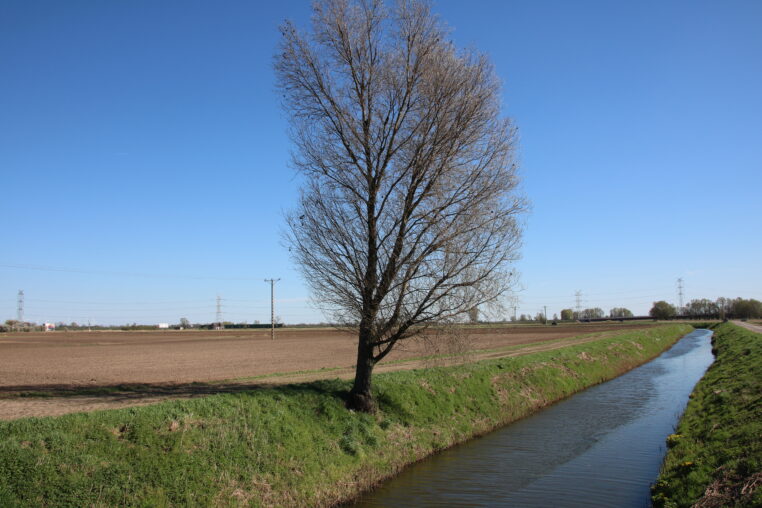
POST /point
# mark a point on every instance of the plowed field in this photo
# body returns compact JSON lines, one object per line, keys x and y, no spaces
{"x":76,"y":365}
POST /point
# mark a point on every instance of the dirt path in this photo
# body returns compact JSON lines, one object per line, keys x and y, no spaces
{"x":62,"y":400}
{"x":749,"y":326}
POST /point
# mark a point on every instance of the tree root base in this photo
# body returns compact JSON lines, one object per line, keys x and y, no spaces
{"x":362,"y":402}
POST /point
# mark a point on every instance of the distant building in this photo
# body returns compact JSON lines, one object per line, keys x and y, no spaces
{"x":163,"y":326}
{"x":49,"y":327}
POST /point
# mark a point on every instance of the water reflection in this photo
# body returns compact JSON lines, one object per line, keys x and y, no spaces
{"x":601,"y":447}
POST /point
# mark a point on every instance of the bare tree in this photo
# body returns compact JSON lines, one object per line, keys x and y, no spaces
{"x":408,"y":211}
{"x":620,"y":312}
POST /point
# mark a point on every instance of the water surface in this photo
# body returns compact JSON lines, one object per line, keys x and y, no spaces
{"x":601,"y":447}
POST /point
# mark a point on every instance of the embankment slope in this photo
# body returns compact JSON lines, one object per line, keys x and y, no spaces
{"x":715,"y":456}
{"x":292,"y":445}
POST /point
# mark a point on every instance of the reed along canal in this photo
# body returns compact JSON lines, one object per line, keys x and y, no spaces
{"x":601,"y":447}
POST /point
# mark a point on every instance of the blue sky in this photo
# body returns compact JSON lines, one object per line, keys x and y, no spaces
{"x":144,"y":156}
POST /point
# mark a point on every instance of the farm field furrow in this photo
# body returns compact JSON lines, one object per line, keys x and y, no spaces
{"x":86,"y":369}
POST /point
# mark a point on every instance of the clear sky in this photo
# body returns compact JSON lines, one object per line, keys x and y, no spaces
{"x":144,"y":155}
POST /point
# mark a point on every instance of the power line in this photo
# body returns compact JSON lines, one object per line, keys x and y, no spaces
{"x":79,"y":302}
{"x":122,"y":309}
{"x":20,"y":307}
{"x":659,"y":290}
{"x":120,"y":274}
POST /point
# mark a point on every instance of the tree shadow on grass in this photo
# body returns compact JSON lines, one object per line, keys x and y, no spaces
{"x":139,"y":391}
{"x":391,"y":407}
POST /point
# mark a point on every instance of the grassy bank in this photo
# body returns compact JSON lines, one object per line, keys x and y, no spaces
{"x":292,"y":445}
{"x":715,"y":456}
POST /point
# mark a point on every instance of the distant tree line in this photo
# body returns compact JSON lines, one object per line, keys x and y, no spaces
{"x":703,"y":308}
{"x":228,"y":325}
{"x":13,"y":325}
{"x":595,"y":313}
{"x":566,"y":315}
{"x":700,"y":308}
{"x":620,"y":312}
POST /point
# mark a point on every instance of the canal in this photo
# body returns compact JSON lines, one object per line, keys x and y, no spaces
{"x":601,"y":447}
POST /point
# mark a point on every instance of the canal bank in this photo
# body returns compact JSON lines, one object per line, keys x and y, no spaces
{"x":601,"y":447}
{"x":715,"y":455}
{"x":294,"y":445}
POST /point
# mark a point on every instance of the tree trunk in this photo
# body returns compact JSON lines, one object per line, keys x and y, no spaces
{"x":360,"y":397}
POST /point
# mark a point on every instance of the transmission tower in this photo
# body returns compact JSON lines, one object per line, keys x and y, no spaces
{"x":514,"y":303}
{"x":220,"y":323}
{"x":20,"y":307}
{"x":272,"y":306}
{"x":680,"y":294}
{"x":578,"y":298}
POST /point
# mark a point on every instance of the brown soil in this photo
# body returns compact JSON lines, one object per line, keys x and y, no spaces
{"x":84,"y":371}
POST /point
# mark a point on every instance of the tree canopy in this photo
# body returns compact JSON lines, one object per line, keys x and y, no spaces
{"x":594,"y":313}
{"x":620,"y":312}
{"x":408,"y":212}
{"x":662,"y":310}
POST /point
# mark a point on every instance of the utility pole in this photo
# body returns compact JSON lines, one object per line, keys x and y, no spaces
{"x":20,"y":309}
{"x":545,"y":314}
{"x":680,"y":295}
{"x":219,"y":313}
{"x":578,"y":296}
{"x":272,"y":306}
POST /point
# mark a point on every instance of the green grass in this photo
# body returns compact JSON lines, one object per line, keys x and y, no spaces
{"x":715,"y":456}
{"x":150,"y":389}
{"x":292,"y":445}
